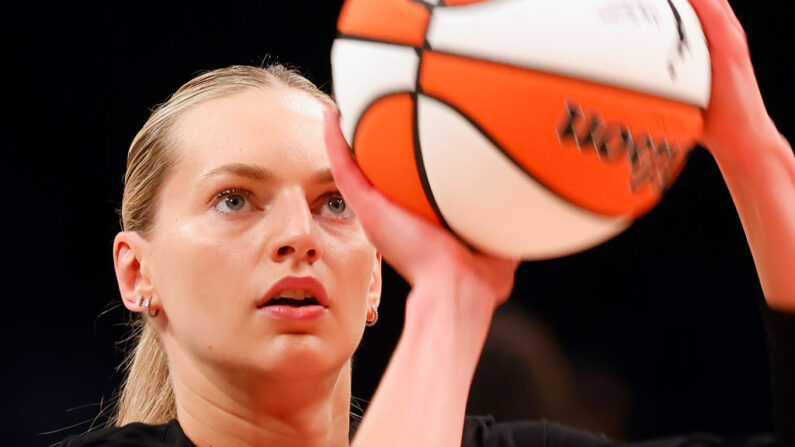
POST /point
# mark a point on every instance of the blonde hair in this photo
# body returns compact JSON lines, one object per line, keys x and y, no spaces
{"x":146,"y":393}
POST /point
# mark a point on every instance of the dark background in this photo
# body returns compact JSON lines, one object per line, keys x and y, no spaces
{"x":668,"y":308}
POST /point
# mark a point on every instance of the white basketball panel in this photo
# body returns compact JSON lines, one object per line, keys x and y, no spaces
{"x":632,"y":44}
{"x":491,"y":202}
{"x":362,"y":71}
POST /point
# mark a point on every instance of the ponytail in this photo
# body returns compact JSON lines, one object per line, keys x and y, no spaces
{"x":147,"y":394}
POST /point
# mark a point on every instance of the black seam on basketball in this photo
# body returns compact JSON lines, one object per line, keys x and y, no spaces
{"x":420,"y":164}
{"x":417,"y":86}
{"x":417,"y":156}
{"x":681,"y":44}
{"x":341,"y":35}
{"x":426,"y":186}
{"x":417,"y":152}
{"x":482,"y":131}
{"x":364,"y":112}
{"x":417,"y":51}
{"x":680,"y":29}
{"x":572,"y":76}
{"x":425,"y":44}
{"x":426,"y":5}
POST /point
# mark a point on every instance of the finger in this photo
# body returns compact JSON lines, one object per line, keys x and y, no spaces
{"x":731,"y":15}
{"x":501,"y":270}
{"x":375,"y":212}
{"x":718,"y":22}
{"x":353,"y":185}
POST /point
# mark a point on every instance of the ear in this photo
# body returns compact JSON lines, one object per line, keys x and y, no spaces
{"x":129,"y":250}
{"x":374,"y":292}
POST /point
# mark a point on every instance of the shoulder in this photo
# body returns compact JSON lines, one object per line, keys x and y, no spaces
{"x":484,"y":431}
{"x":136,"y":434}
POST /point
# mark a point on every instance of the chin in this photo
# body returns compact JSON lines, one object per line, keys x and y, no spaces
{"x":297,"y":355}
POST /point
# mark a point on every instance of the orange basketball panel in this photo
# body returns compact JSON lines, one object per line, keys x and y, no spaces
{"x":384,"y":148}
{"x":396,"y":21}
{"x":524,"y":112}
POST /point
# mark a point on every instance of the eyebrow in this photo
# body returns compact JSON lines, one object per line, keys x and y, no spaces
{"x":245,"y":170}
{"x":323,"y":176}
{"x":260,"y":173}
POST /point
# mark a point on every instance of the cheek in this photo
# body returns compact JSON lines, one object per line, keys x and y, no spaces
{"x":201,"y":280}
{"x":352,"y":263}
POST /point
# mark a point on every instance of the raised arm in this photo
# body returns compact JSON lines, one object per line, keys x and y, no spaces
{"x":756,"y":161}
{"x":422,"y":397}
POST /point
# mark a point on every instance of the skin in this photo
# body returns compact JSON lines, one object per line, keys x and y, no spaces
{"x":263,"y":384}
{"x":237,"y":374}
{"x":447,"y":335}
{"x":756,"y":161}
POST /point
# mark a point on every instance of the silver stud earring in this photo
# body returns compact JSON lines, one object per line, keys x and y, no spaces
{"x":145,"y":302}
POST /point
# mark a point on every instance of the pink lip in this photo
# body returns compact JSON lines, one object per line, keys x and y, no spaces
{"x":308,"y":283}
{"x":281,"y":312}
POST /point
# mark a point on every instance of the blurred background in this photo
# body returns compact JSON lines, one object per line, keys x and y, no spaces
{"x":654,"y":333}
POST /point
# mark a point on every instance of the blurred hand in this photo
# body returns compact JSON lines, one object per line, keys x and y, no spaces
{"x":420,"y":251}
{"x":756,"y":161}
{"x":736,"y":116}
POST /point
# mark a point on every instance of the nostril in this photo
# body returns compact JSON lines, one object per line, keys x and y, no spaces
{"x":289,"y":250}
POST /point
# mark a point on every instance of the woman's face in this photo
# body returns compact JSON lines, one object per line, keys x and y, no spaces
{"x":250,"y":202}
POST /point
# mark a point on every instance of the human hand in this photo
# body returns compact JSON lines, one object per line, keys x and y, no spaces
{"x":736,"y":119}
{"x":448,"y":313}
{"x":756,"y":161}
{"x":419,"y":250}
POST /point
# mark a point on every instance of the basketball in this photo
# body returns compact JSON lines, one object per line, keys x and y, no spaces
{"x":527,"y":128}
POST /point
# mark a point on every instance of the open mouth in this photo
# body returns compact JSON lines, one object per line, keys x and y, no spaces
{"x":292,"y":298}
{"x":304,"y":295}
{"x":286,"y":301}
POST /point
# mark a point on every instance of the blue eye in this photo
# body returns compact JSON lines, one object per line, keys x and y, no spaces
{"x":231,"y":201}
{"x":336,"y":206}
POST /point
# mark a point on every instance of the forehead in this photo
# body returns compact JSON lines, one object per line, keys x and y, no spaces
{"x":278,"y":128}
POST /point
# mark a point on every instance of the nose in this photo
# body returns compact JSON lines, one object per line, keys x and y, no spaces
{"x":295,"y":234}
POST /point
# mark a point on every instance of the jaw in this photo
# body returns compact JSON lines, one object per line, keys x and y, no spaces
{"x":288,"y":413}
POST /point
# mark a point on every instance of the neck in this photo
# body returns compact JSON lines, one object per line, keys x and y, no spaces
{"x":257,"y":411}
